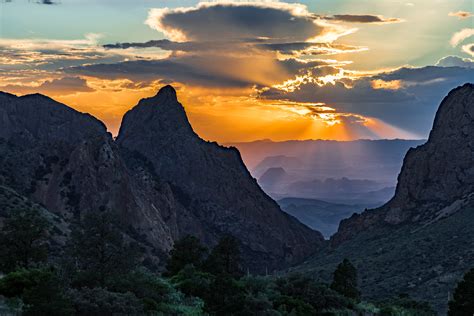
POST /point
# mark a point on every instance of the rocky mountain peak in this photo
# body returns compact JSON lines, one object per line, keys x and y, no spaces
{"x":37,"y":116}
{"x":167,"y":92}
{"x":212,"y":183}
{"x":161,"y":114}
{"x":437,"y":178}
{"x":159,"y":177}
{"x":441,"y":171}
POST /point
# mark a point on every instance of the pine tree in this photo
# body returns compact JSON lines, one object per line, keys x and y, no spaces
{"x":225,"y":258}
{"x":186,"y":251}
{"x":23,"y":240}
{"x":99,"y":251}
{"x":345,"y":280}
{"x":463,"y":298}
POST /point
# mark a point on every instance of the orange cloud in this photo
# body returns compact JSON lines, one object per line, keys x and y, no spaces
{"x":461,"y":14}
{"x":387,"y":85}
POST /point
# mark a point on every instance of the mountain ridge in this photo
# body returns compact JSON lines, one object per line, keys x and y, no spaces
{"x":420,"y":242}
{"x":147,"y":176}
{"x":433,"y":174}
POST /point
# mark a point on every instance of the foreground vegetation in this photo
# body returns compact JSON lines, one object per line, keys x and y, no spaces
{"x":101,"y":273}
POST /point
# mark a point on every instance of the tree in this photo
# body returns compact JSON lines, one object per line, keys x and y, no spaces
{"x":462,"y":302}
{"x":23,"y":240}
{"x":186,"y":251}
{"x":225,"y":258}
{"x":193,"y":282}
{"x":296,"y":291}
{"x":99,"y":252}
{"x":345,"y":280}
{"x":39,"y":289}
{"x":99,"y":301}
{"x":226,"y":296}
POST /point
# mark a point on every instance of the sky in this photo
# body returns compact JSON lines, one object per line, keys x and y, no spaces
{"x":246,"y":70}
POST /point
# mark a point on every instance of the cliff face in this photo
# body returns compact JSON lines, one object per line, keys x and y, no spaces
{"x":159,"y":177}
{"x":437,"y":178}
{"x":420,"y":242}
{"x":212,"y":183}
{"x":67,"y":162}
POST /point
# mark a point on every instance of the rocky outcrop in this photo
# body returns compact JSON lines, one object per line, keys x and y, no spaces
{"x":159,"y":177}
{"x":420,"y":242}
{"x":67,"y":162}
{"x":436,"y":178}
{"x":212,"y":183}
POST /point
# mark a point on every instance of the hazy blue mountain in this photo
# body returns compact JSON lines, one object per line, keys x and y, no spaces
{"x":352,"y":172}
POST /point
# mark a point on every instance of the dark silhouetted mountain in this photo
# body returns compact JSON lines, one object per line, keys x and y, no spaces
{"x":320,"y":215}
{"x":436,"y":179}
{"x":67,"y":162}
{"x":161,"y":180}
{"x":212,"y":183}
{"x":421,"y":241}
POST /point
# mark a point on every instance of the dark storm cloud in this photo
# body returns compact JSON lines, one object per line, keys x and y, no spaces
{"x":190,"y":70}
{"x":363,"y":18}
{"x":309,"y":48}
{"x":291,"y":48}
{"x":231,"y":44}
{"x":174,"y":70}
{"x":295,"y":66}
{"x":230,"y":21}
{"x":171,"y":45}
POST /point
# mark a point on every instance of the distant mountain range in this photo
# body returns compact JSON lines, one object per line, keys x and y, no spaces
{"x":421,"y":241}
{"x":160,"y":179}
{"x":348,"y":172}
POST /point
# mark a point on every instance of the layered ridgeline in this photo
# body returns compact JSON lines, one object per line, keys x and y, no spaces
{"x":160,"y":179}
{"x":421,"y":241}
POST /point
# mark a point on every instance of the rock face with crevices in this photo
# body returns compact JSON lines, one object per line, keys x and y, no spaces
{"x":435,"y":176}
{"x":160,"y":179}
{"x":67,"y":162}
{"x":420,"y":242}
{"x":213,"y":185}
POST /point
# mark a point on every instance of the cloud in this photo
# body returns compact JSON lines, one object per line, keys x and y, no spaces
{"x":363,"y":18}
{"x":461,"y":14}
{"x":47,"y":2}
{"x":286,"y":48}
{"x":164,"y":44}
{"x":232,"y":20}
{"x":55,"y":54}
{"x":461,"y":36}
{"x":24,"y":53}
{"x":469,"y":49}
{"x":455,"y":61}
{"x":387,"y":96}
{"x":308,"y":48}
{"x":53,"y":87}
{"x":232,"y":44}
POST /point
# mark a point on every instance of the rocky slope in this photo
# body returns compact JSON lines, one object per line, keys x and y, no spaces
{"x":420,"y":242}
{"x":159,"y":177}
{"x":67,"y":162}
{"x":437,"y":178}
{"x":212,"y":184}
